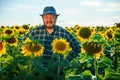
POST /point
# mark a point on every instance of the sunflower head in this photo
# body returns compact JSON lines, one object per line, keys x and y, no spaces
{"x":16,"y":28}
{"x":8,"y":31}
{"x":27,"y":40}
{"x":92,"y":48}
{"x":76,"y":26}
{"x":25,"y":27}
{"x":70,"y":30}
{"x":32,"y":48}
{"x":109,"y":34}
{"x":2,"y":27}
{"x":12,"y":41}
{"x":60,"y":46}
{"x":99,"y":29}
{"x":85,"y":33}
{"x":2,"y":48}
{"x":117,"y":25}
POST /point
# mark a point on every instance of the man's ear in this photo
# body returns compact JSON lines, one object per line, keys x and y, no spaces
{"x":56,"y":18}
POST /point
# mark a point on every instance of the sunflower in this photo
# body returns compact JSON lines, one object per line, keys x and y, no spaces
{"x":99,"y":29}
{"x":2,"y":27}
{"x":109,"y":34}
{"x":25,"y":28}
{"x":76,"y":29}
{"x":85,"y":33}
{"x":16,"y":28}
{"x":8,"y":31}
{"x":32,"y":48}
{"x":2,"y":48}
{"x":70,"y":30}
{"x":60,"y":46}
{"x":117,"y":25}
{"x":93,"y":48}
{"x":27,"y":40}
{"x":12,"y":41}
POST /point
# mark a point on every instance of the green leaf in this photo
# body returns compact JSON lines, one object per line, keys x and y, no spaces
{"x":112,"y":76}
{"x":64,"y":63}
{"x":76,"y":77}
{"x":83,"y":57}
{"x":97,"y":37}
{"x":107,"y":71}
{"x":22,"y":67}
{"x":99,"y":77}
{"x":8,"y":58}
{"x":87,"y":73}
{"x":106,"y":61}
{"x":89,"y":65}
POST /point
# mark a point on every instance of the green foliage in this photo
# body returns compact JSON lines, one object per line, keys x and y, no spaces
{"x":15,"y":66}
{"x":111,"y":75}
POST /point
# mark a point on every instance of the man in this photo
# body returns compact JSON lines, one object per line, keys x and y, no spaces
{"x":47,"y":32}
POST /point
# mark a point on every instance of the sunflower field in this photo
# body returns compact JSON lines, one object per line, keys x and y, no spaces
{"x":99,"y":58}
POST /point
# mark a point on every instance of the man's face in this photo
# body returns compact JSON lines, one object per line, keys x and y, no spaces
{"x":49,"y":21}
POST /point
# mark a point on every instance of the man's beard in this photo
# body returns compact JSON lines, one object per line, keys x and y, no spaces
{"x":49,"y":27}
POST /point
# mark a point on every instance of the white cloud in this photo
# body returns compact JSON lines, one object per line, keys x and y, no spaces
{"x":11,"y":9}
{"x":94,"y":3}
{"x":116,"y":18}
{"x":12,"y":22}
{"x":111,"y":7}
{"x":24,"y":7}
{"x":67,"y":22}
{"x":102,"y":22}
{"x":20,"y":8}
{"x":69,"y":11}
{"x":86,"y":22}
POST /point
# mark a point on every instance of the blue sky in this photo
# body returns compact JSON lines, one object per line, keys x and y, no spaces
{"x":72,"y":12}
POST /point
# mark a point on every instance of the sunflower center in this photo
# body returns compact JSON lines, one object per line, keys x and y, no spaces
{"x":92,"y":47}
{"x":1,"y":46}
{"x":8,"y":32}
{"x":25,"y":27}
{"x":118,"y":25}
{"x":20,"y":32}
{"x":33,"y":47}
{"x":11,"y":40}
{"x":16,"y":27}
{"x":2,"y":27}
{"x":60,"y":46}
{"x":109,"y":35}
{"x":85,"y":33}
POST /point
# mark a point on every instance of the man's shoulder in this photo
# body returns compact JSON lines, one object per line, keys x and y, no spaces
{"x":41,"y":27}
{"x":59,"y":28}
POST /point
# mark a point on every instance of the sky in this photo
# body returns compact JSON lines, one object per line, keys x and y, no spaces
{"x":72,"y":12}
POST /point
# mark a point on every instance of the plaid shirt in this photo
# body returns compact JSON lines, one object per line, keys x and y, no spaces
{"x":46,"y":39}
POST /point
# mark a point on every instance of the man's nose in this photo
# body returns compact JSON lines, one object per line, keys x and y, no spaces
{"x":49,"y":19}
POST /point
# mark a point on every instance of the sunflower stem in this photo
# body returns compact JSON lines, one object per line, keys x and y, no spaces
{"x":118,"y":62}
{"x":29,"y":71}
{"x":30,"y":64}
{"x":58,"y":66}
{"x":96,"y":68}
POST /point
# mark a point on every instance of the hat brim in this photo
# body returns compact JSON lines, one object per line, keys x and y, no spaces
{"x":49,"y":13}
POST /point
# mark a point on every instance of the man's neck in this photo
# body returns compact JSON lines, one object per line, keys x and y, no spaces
{"x":50,"y":30}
